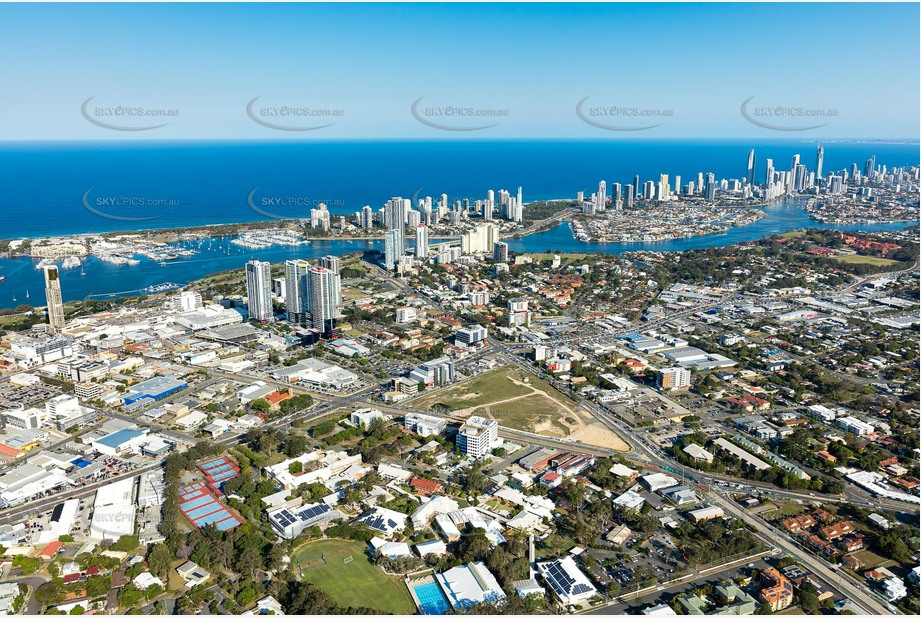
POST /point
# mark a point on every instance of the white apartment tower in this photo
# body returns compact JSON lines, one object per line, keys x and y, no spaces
{"x":477,"y":437}
{"x":601,"y":197}
{"x":259,"y":290}
{"x":422,"y":241}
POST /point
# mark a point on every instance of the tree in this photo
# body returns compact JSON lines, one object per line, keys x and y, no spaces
{"x":301,"y":598}
{"x":129,"y":596}
{"x":891,"y":544}
{"x":98,"y":585}
{"x":295,"y":445}
{"x":26,"y":564}
{"x":49,"y":593}
{"x":127,"y":543}
{"x":248,"y":561}
{"x":153,"y":591}
{"x":808,"y":599}
{"x":785,"y":562}
{"x":260,"y":405}
{"x":475,"y":481}
{"x":246,"y":596}
{"x":475,"y":546}
{"x":159,"y":560}
{"x":296,"y":404}
{"x":295,"y":467}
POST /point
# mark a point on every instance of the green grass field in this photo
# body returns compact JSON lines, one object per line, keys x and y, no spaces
{"x":485,"y":389}
{"x":871,"y":560}
{"x":865,"y":259}
{"x":356,"y":583}
{"x":514,"y":405}
{"x":565,"y":258}
{"x":784,"y":509}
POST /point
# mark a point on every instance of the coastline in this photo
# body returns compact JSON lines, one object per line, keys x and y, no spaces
{"x":213,"y":230}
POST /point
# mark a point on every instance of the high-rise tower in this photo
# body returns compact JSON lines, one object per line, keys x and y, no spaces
{"x":259,"y":290}
{"x":53,"y":297}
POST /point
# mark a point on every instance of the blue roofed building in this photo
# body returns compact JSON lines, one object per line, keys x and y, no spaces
{"x":152,"y":390}
{"x":121,"y":441}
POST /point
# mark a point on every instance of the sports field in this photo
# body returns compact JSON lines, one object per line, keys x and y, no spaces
{"x":865,"y":259}
{"x":342,"y":570}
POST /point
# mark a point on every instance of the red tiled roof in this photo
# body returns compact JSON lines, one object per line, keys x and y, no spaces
{"x":51,"y":549}
{"x":277,"y":397}
{"x":425,"y":485}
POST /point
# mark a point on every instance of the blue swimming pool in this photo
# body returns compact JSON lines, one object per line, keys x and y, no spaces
{"x":431,"y":598}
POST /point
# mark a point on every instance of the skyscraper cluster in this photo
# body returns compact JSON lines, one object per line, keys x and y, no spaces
{"x":776,"y":184}
{"x":313,"y":293}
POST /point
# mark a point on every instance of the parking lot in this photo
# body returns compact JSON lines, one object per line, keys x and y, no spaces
{"x":657,"y":596}
{"x":12,"y":396}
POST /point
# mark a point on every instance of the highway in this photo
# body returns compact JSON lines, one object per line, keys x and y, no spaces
{"x":861,"y":596}
{"x":641,"y":452}
{"x":646,"y":453}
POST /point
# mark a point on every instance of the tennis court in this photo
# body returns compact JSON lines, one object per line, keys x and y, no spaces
{"x":201,"y":507}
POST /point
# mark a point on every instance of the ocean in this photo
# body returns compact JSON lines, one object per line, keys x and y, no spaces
{"x":71,"y":188}
{"x":52,"y":188}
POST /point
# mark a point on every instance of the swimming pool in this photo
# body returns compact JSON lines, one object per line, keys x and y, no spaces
{"x":431,"y":599}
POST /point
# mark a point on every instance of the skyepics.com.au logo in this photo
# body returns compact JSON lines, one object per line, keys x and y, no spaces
{"x":108,"y":517}
{"x":622,"y":117}
{"x":126,"y":117}
{"x":289,"y":206}
{"x":786,"y":117}
{"x":457,"y":117}
{"x":126,"y":207}
{"x":292,"y":117}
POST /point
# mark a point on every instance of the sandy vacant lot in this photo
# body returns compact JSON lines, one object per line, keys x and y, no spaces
{"x":504,"y":395}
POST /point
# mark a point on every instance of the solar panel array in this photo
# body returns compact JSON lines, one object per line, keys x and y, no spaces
{"x":380,"y":522}
{"x":563,"y":582}
{"x":314,"y":511}
{"x":285,"y":517}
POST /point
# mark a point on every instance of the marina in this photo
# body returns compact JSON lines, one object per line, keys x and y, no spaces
{"x":114,"y":273}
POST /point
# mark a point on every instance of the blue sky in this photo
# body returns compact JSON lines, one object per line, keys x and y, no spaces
{"x":691,"y":66}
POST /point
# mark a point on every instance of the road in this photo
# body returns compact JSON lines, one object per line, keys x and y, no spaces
{"x":33,"y":607}
{"x":686,"y":583}
{"x":24,"y":511}
{"x":861,"y":596}
{"x":543,"y":223}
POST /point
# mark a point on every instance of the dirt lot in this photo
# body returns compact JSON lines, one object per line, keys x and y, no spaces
{"x":519,"y":401}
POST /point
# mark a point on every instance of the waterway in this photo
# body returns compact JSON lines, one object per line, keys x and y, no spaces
{"x":23,"y":284}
